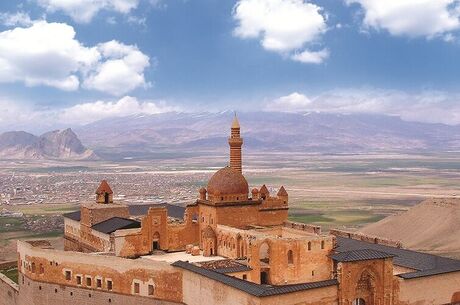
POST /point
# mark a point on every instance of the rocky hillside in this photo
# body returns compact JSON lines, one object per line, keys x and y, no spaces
{"x":58,"y":144}
{"x":432,"y":226}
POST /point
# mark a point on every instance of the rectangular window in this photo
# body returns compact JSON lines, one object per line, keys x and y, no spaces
{"x":109,"y":285}
{"x":151,"y":289}
{"x":68,"y":275}
{"x":136,"y":287}
{"x":88,"y":281}
{"x":245,"y":277}
{"x":78,"y":279}
{"x":98,"y":283}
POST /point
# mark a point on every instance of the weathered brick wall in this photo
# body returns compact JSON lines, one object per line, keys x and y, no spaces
{"x":92,"y":214}
{"x":50,"y":266}
{"x":308,"y":265}
{"x":8,"y":291}
{"x":38,"y":293}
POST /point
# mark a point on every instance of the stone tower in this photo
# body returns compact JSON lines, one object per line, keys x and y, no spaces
{"x":235,"y":142}
{"x":104,"y":194}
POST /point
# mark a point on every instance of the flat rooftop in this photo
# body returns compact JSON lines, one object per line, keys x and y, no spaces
{"x":182,"y":256}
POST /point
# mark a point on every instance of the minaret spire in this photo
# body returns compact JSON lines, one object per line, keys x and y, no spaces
{"x":235,"y":142}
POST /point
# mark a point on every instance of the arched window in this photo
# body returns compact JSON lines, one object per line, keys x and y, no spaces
{"x":290,"y":257}
{"x":359,"y":302}
{"x":264,"y":253}
{"x":309,"y":245}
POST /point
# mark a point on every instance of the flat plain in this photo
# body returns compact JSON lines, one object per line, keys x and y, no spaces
{"x":341,"y":191}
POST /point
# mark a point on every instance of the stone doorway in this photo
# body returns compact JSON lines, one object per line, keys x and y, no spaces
{"x":156,"y":241}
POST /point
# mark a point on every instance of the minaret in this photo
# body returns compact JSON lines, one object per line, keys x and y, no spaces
{"x":235,"y":142}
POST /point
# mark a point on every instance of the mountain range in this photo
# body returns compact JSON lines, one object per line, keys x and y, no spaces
{"x":58,"y":144}
{"x":144,"y":135}
{"x":269,"y":131}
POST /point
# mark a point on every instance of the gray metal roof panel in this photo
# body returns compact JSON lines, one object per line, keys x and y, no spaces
{"x":360,"y":255}
{"x":115,"y":223}
{"x":73,"y":215}
{"x":240,"y":268}
{"x":174,"y":211}
{"x":425,"y":264}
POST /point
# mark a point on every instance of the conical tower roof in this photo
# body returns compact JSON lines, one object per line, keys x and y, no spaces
{"x":104,"y":188}
{"x":282,"y":192}
{"x":235,"y":123}
{"x":264,"y":190}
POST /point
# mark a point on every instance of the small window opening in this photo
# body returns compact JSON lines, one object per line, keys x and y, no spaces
{"x":151,"y":289}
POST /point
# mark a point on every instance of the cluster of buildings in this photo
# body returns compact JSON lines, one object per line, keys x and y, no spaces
{"x":77,"y":187}
{"x":233,"y":245}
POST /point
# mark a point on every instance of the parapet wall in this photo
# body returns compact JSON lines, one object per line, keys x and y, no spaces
{"x":366,"y":238}
{"x":303,"y":227}
{"x":9,"y":291}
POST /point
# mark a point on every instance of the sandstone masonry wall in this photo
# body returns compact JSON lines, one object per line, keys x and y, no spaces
{"x":9,"y":293}
{"x":436,"y":289}
{"x":39,"y":293}
{"x":199,"y":290}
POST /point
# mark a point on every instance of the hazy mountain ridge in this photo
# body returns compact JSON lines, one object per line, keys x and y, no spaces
{"x":58,"y":144}
{"x":310,"y":132}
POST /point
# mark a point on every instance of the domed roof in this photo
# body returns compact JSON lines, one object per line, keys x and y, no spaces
{"x":227,"y":181}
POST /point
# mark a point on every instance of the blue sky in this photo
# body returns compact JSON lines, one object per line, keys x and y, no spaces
{"x":397,"y":57}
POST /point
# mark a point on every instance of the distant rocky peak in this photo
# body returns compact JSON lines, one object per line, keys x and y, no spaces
{"x":57,"y":144}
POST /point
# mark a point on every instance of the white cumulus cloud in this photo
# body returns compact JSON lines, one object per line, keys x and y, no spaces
{"x":413,"y":18}
{"x":121,"y":71}
{"x":311,"y":56}
{"x":15,"y":19}
{"x":89,"y":112}
{"x":283,"y":26}
{"x":20,"y":115}
{"x":427,"y":106}
{"x":49,"y":54}
{"x":83,"y":11}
